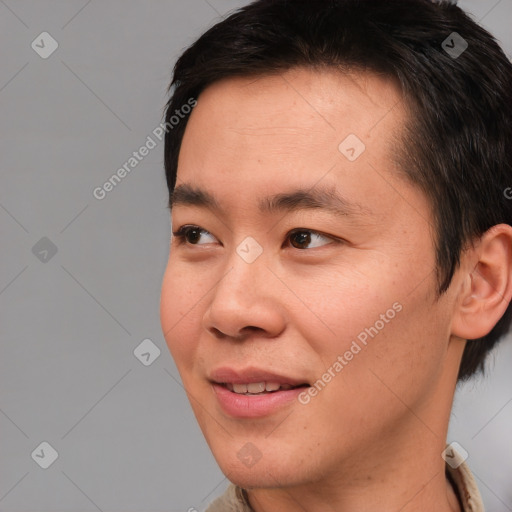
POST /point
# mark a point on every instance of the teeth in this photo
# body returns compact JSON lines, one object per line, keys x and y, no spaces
{"x":272,"y":386}
{"x":240,"y":388}
{"x":254,"y":388}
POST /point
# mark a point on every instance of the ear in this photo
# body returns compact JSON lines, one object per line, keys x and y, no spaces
{"x":486,"y":284}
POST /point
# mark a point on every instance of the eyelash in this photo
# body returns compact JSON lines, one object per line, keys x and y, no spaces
{"x":182,"y":232}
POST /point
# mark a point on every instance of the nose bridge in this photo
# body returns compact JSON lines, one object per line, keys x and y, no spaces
{"x":247,"y":270}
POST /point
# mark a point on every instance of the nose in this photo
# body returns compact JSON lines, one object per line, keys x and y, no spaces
{"x":245,"y":302}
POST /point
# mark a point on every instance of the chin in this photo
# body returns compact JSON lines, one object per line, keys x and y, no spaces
{"x":249,"y":473}
{"x":263,"y":478}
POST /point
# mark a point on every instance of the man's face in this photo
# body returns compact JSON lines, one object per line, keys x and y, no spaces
{"x":342,"y":301}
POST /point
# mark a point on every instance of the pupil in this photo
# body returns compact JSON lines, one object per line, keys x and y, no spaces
{"x":193,"y":235}
{"x":302,"y":238}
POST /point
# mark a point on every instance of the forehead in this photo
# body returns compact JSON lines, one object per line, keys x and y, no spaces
{"x":322,"y":98}
{"x":267,"y":132}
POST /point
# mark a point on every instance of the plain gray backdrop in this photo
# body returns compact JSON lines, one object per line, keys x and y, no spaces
{"x":80,"y":276}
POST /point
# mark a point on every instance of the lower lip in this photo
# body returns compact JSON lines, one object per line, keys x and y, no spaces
{"x":253,"y":406}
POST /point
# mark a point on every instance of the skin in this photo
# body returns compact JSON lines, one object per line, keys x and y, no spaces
{"x":372,"y":438}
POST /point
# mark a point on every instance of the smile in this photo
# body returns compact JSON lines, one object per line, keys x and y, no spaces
{"x":257,"y":388}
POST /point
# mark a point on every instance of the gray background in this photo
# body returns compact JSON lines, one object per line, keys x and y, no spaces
{"x":124,"y":432}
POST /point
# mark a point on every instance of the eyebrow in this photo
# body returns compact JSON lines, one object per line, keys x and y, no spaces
{"x":317,"y":198}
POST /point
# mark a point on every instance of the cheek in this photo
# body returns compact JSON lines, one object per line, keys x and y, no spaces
{"x":179,"y":309}
{"x":373,"y":321}
{"x":336,"y":306}
{"x":399,"y":362}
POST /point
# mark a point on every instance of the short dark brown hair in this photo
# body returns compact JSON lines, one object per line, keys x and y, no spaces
{"x":453,"y":74}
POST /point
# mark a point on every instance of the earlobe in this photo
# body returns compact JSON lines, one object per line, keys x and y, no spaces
{"x":487,"y":289}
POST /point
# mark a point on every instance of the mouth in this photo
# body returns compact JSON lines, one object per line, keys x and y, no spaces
{"x":252,"y":392}
{"x":259,"y":388}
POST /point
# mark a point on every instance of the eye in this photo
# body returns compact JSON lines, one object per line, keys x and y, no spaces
{"x":301,"y":237}
{"x":190,"y":234}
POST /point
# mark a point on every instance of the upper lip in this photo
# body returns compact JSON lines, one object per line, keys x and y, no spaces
{"x":248,"y":375}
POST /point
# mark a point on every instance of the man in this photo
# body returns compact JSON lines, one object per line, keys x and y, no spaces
{"x":341,"y":251}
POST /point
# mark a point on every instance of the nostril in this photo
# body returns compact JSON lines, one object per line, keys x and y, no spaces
{"x":218,"y":333}
{"x":240,"y":336}
{"x":252,"y":328}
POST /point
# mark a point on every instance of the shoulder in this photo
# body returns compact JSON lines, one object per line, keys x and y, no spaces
{"x":466,"y":487}
{"x":233,"y":500}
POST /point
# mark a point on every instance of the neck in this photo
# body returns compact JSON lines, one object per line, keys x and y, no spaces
{"x":414,"y":483}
